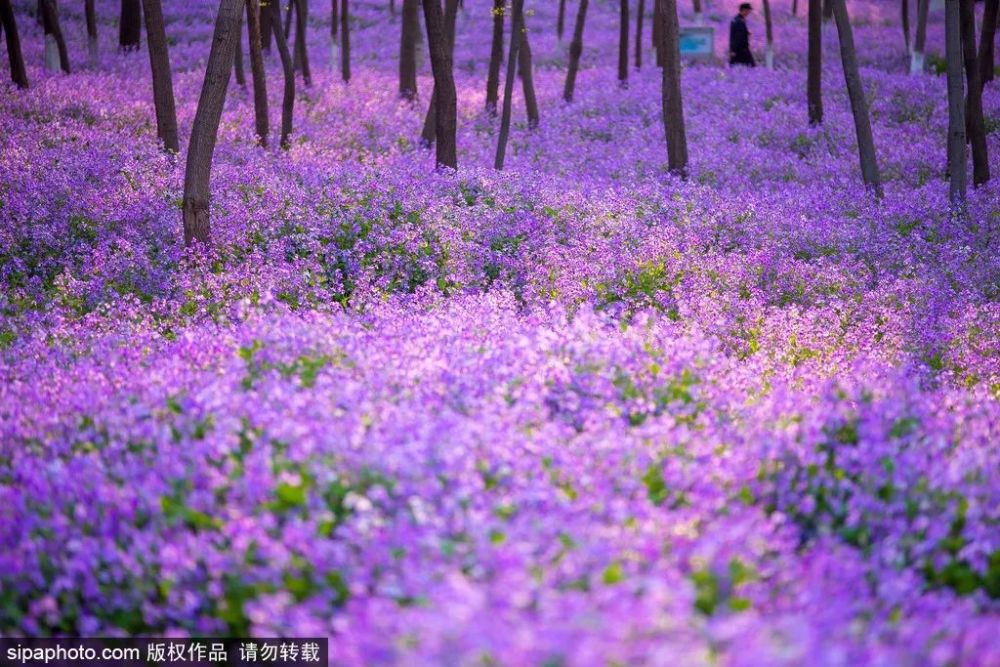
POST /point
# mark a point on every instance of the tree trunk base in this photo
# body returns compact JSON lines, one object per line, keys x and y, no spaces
{"x":916,"y":63}
{"x":334,"y":54}
{"x":92,"y":52}
{"x":769,"y":57}
{"x":196,"y":222}
{"x":699,"y":18}
{"x":51,"y":54}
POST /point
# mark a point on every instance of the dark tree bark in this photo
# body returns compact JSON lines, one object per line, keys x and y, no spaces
{"x":50,"y":22}
{"x":827,"y":9}
{"x":334,"y":35}
{"x":91,"y":17}
{"x":904,"y":19}
{"x":673,"y":106}
{"x":302,"y":40}
{"x":986,"y":40}
{"x":769,"y":29}
{"x":658,"y":31}
{"x":496,"y":55}
{"x":575,"y":51}
{"x":257,"y":72}
{"x":17,"y":72}
{"x":561,"y":20}
{"x":204,"y":131}
{"x":266,"y":28}
{"x":429,"y":131}
{"x":130,"y":25}
{"x":814,"y":89}
{"x":163,"y":87}
{"x":446,"y":112}
{"x":859,"y":105}
{"x":288,"y":100}
{"x":920,"y":38}
{"x":408,"y":50}
{"x":288,"y":18}
{"x":623,"y":43}
{"x":795,"y":7}
{"x":241,"y":79}
{"x":640,"y":10}
{"x":516,"y":32}
{"x":975,"y":126}
{"x":524,"y":66}
{"x":956,"y":109}
{"x":345,"y":41}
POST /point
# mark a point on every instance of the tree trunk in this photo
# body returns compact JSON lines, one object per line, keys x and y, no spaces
{"x":446,"y":112}
{"x":561,"y":20}
{"x":917,"y":57}
{"x":204,"y":131}
{"x":673,"y":107}
{"x":345,"y":42}
{"x":17,"y":72}
{"x":257,"y":73}
{"x":524,"y":66}
{"x":975,"y":126}
{"x":623,"y":43}
{"x":904,"y":18}
{"x":658,"y":31}
{"x":699,"y":18}
{"x":859,"y":105}
{"x":288,"y":19}
{"x":769,"y":29}
{"x":91,"y":17}
{"x":827,"y":9}
{"x":496,"y":55}
{"x":956,"y":111}
{"x":814,"y":89}
{"x":516,"y":32}
{"x":241,"y":79}
{"x":163,"y":87}
{"x":575,"y":51}
{"x":266,"y":28}
{"x":130,"y":25}
{"x":302,"y":40}
{"x":288,"y":101}
{"x":640,"y":10}
{"x":408,"y":50}
{"x":795,"y":7}
{"x":334,"y":38}
{"x":986,"y":40}
{"x":429,"y":131}
{"x":53,"y":30}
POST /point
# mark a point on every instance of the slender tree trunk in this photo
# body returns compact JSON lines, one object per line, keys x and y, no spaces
{"x":859,"y":105}
{"x":623,"y":43}
{"x":302,"y":40}
{"x":91,"y":16}
{"x":525,"y":66}
{"x":17,"y":72}
{"x":429,"y":132}
{"x":561,"y":20}
{"x":50,"y":19}
{"x":769,"y":29}
{"x":814,"y":88}
{"x":827,"y":9}
{"x":956,"y":108}
{"x":241,"y":79}
{"x":699,"y":18}
{"x":673,"y":106}
{"x":904,"y":19}
{"x":990,"y":12}
{"x":975,"y":126}
{"x":345,"y":39}
{"x":334,"y":36}
{"x":496,"y":55}
{"x":204,"y":132}
{"x":288,"y":100}
{"x":920,"y":38}
{"x":288,"y":18}
{"x":658,"y":31}
{"x":408,"y":50}
{"x":257,"y":73}
{"x":575,"y":51}
{"x":446,"y":112}
{"x":130,"y":25}
{"x":163,"y":87}
{"x":266,"y":28}
{"x":516,"y":32}
{"x":640,"y":10}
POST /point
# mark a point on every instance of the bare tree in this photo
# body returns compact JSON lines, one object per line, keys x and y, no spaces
{"x":288,"y":100}
{"x":516,"y":32}
{"x":827,"y":9}
{"x":302,"y":40}
{"x":197,"y":176}
{"x":17,"y":72}
{"x":130,"y":25}
{"x":561,"y":20}
{"x":956,"y":112}
{"x":524,"y":67}
{"x":345,"y":39}
{"x":446,"y":112}
{"x":920,"y":38}
{"x":657,"y":31}
{"x":769,"y":30}
{"x":163,"y":87}
{"x":623,"y":43}
{"x":54,"y":36}
{"x":859,"y":105}
{"x":334,"y":38}
{"x":266,"y":29}
{"x":975,"y":126}
{"x":496,"y":55}
{"x":429,"y":131}
{"x":408,"y":49}
{"x":640,"y":11}
{"x":575,"y":51}
{"x":91,"y":17}
{"x":257,"y":72}
{"x":814,"y":88}
{"x":986,"y":40}
{"x":241,"y":79}
{"x":673,"y":106}
{"x":904,"y":19}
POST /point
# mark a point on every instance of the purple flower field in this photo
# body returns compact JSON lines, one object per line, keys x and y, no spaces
{"x":575,"y":412}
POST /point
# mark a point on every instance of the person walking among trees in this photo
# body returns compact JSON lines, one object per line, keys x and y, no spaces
{"x":739,"y":38}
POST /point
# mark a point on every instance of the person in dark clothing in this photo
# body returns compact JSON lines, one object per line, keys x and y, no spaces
{"x":739,"y":38}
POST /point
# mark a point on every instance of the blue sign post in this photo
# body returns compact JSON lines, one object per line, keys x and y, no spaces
{"x":697,"y":43}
